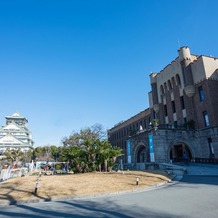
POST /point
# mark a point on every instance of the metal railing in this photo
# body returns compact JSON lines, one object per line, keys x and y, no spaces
{"x":205,"y":160}
{"x":198,"y":160}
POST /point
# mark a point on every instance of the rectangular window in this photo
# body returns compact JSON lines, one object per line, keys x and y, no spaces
{"x":201,"y":93}
{"x":154,"y":115}
{"x":140,"y":126}
{"x":137,"y":126}
{"x":173,"y":106}
{"x":210,"y":146}
{"x":206,"y":118}
{"x":145,"y":123}
{"x":182,"y":102}
{"x":149,"y":121}
{"x":133,"y":129}
{"x":165,"y":110}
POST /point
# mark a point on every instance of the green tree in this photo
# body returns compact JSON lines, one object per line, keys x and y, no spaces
{"x":13,"y":155}
{"x":113,"y":154}
{"x":38,"y":154}
{"x":107,"y":155}
{"x":88,"y":150}
{"x":54,"y":153}
{"x":76,"y":158}
{"x":27,"y":156}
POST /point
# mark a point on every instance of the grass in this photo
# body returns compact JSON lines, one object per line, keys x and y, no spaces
{"x":54,"y":186}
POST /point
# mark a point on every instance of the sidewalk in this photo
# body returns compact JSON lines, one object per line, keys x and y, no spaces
{"x":202,"y":169}
{"x":198,"y":169}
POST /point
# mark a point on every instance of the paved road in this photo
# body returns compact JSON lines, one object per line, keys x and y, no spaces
{"x":193,"y":196}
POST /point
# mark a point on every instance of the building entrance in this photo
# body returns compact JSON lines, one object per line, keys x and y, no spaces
{"x":177,"y":151}
{"x":142,"y":155}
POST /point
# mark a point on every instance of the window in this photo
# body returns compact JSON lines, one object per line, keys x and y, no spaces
{"x":210,"y":146}
{"x":169,"y":84}
{"x":161,"y":90}
{"x":173,"y":106}
{"x":182,"y":102}
{"x":137,"y":126}
{"x":173,"y":82}
{"x":149,"y":121}
{"x":201,"y":93}
{"x":140,"y":126}
{"x":165,"y":110}
{"x":206,"y":118}
{"x":133,"y":129}
{"x":165,"y":87}
{"x":145,"y":123}
{"x":154,"y":115}
{"x":178,"y":80}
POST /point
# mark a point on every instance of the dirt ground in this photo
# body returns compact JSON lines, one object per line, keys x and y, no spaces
{"x":54,"y":186}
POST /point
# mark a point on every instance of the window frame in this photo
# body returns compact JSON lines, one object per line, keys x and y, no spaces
{"x":201,"y":93}
{"x":206,"y":119}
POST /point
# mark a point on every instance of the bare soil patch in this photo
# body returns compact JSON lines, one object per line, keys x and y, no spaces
{"x":54,"y":186}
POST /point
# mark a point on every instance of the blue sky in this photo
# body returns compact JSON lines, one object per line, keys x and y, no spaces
{"x":67,"y":65}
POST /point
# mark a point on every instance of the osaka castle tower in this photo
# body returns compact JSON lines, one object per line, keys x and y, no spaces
{"x":15,"y":134}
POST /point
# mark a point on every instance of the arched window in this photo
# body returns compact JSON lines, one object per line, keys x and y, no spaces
{"x":169,"y":84}
{"x":165,"y":87}
{"x":161,"y":90}
{"x":178,"y":80}
{"x":215,"y":76}
{"x":173,"y":81}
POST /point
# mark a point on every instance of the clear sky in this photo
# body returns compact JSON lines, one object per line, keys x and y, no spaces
{"x":67,"y":65}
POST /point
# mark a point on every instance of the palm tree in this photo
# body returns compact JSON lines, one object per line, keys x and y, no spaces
{"x":88,"y":150}
{"x":76,"y":158}
{"x":107,"y":155}
{"x":114,"y":153}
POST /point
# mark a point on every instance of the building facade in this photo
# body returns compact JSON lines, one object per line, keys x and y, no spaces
{"x":182,"y":114}
{"x":15,"y":134}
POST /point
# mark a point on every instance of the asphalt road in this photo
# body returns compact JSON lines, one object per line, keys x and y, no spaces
{"x":193,"y":196}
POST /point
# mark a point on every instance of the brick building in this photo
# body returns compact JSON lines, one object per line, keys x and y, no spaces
{"x":182,"y":115}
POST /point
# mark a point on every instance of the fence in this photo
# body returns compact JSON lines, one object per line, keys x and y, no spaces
{"x":205,"y":160}
{"x":198,"y":160}
{"x":8,"y":173}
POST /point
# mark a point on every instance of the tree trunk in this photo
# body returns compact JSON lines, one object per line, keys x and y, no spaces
{"x":105,"y":165}
{"x":99,"y":167}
